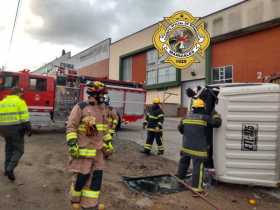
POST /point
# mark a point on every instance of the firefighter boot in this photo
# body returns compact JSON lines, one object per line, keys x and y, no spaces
{"x":160,"y":152}
{"x":146,"y":151}
{"x":11,"y":175}
{"x":76,"y":206}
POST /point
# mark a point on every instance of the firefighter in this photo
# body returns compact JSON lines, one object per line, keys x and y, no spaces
{"x":14,"y":123}
{"x":112,"y":122}
{"x":153,"y":122}
{"x":86,"y":127}
{"x":194,"y":131}
{"x":210,"y":96}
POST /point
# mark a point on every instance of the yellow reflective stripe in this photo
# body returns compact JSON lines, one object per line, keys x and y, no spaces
{"x":148,"y":146}
{"x":194,"y":152}
{"x":107,"y":137}
{"x":152,"y":117}
{"x":197,"y":189}
{"x":87,"y":152}
{"x":200,"y":175}
{"x":90,"y":194}
{"x":112,"y":131}
{"x":153,"y":129}
{"x":71,"y":135}
{"x":75,"y":193}
{"x":161,"y":115}
{"x":161,"y":147}
{"x":101,"y":127}
{"x":195,"y":122}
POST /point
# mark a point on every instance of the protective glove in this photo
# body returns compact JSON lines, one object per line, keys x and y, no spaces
{"x":108,"y":149}
{"x":73,"y":148}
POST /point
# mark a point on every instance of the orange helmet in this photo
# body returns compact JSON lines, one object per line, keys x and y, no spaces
{"x":96,"y":88}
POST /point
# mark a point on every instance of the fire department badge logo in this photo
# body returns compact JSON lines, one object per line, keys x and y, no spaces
{"x":180,"y":38}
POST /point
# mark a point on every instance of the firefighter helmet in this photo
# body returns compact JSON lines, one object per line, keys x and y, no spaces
{"x":198,"y":103}
{"x":96,"y":88}
{"x":156,"y":100}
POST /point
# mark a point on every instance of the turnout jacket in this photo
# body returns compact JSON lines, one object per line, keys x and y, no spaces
{"x":90,"y":146}
{"x":194,"y":128}
{"x":154,"y":118}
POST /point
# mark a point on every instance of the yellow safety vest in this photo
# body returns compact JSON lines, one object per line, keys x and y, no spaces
{"x":13,"y":111}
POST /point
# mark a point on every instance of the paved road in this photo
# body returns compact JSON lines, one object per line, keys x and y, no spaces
{"x":171,"y":137}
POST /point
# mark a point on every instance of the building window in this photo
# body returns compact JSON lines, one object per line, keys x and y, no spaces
{"x":127,"y":69}
{"x":9,"y":81}
{"x":37,"y":84}
{"x":158,"y":72}
{"x":222,"y":74}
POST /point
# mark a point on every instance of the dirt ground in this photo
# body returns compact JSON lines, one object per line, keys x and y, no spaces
{"x":42,"y":181}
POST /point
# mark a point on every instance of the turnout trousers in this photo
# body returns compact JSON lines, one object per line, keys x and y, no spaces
{"x":87,"y":181}
{"x":197,"y":173}
{"x":14,"y":148}
{"x":151,"y":136}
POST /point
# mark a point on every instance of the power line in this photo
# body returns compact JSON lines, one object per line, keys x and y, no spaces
{"x":12,"y":35}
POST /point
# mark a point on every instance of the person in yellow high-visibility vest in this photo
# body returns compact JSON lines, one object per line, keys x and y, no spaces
{"x":14,"y":123}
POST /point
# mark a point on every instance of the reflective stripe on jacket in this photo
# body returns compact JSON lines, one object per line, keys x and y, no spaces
{"x":154,"y":117}
{"x":193,"y":128}
{"x":13,"y":111}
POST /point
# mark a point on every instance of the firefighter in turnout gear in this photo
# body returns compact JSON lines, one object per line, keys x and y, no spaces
{"x":153,"y":122}
{"x":194,"y":131}
{"x":86,"y":128}
{"x":112,"y":121}
{"x":14,"y":123}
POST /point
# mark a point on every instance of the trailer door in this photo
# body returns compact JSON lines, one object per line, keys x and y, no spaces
{"x":134,"y":103}
{"x":117,"y":100}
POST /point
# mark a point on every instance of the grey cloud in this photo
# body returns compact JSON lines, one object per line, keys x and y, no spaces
{"x":83,"y":23}
{"x":70,"y":22}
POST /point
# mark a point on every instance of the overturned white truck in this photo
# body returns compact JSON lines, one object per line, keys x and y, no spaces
{"x":246,"y":147}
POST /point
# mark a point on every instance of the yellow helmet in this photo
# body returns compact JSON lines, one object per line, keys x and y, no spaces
{"x":198,"y":103}
{"x":156,"y":100}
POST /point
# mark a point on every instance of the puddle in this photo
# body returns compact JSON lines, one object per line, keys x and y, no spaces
{"x":160,"y":184}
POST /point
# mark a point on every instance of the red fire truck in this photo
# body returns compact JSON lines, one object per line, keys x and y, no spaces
{"x":51,"y":98}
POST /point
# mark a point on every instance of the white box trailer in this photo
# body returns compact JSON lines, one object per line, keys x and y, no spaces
{"x":247,"y":145}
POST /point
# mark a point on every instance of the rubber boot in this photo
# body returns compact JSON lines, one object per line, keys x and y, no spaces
{"x":146,"y":151}
{"x":11,"y":175}
{"x":160,"y":152}
{"x":76,"y":206}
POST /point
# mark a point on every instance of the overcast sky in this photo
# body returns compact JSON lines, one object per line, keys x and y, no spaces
{"x":45,"y":27}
